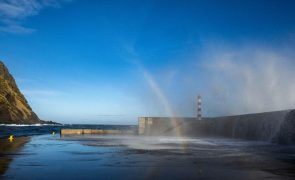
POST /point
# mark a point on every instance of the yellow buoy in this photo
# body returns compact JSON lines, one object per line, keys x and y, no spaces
{"x":11,"y":138}
{"x":53,"y":133}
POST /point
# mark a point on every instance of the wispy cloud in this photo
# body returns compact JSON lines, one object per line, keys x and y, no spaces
{"x":16,"y":29}
{"x":14,"y":12}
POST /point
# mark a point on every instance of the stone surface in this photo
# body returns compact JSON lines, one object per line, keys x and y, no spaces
{"x":95,"y":131}
{"x":14,"y":108}
{"x":277,"y":127}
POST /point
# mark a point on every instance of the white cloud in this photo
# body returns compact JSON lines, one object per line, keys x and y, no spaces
{"x":16,"y":29}
{"x":13,"y":12}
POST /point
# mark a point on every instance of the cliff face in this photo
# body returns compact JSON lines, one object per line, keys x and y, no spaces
{"x":14,"y":108}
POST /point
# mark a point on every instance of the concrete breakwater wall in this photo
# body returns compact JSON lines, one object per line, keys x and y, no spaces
{"x":278,"y":126}
{"x":95,"y":131}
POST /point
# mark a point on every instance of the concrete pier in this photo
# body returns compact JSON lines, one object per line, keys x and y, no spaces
{"x":96,"y":131}
{"x":277,"y":127}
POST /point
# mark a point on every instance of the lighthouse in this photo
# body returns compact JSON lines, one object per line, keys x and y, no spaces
{"x":199,"y":108}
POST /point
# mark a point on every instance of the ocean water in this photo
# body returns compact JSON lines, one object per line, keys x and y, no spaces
{"x":41,"y":155}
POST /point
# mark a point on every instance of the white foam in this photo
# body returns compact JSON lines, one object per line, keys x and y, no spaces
{"x":147,"y":143}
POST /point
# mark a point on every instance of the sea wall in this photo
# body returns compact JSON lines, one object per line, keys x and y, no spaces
{"x":278,"y":126}
{"x":64,"y":132}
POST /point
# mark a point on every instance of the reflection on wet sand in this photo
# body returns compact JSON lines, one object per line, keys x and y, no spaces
{"x":176,"y":158}
{"x":8,"y":149}
{"x":139,"y":157}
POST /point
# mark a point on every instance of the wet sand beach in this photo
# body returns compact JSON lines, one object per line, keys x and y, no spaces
{"x":9,"y":150}
{"x":135,"y":157}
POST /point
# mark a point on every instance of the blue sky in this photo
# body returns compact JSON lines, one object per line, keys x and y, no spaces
{"x":111,"y":61}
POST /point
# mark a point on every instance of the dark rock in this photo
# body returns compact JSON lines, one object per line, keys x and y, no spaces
{"x":50,"y":122}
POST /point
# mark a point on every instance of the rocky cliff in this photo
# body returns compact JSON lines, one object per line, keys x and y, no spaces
{"x":14,"y":108}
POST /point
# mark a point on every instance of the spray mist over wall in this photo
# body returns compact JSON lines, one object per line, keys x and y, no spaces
{"x":248,"y":81}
